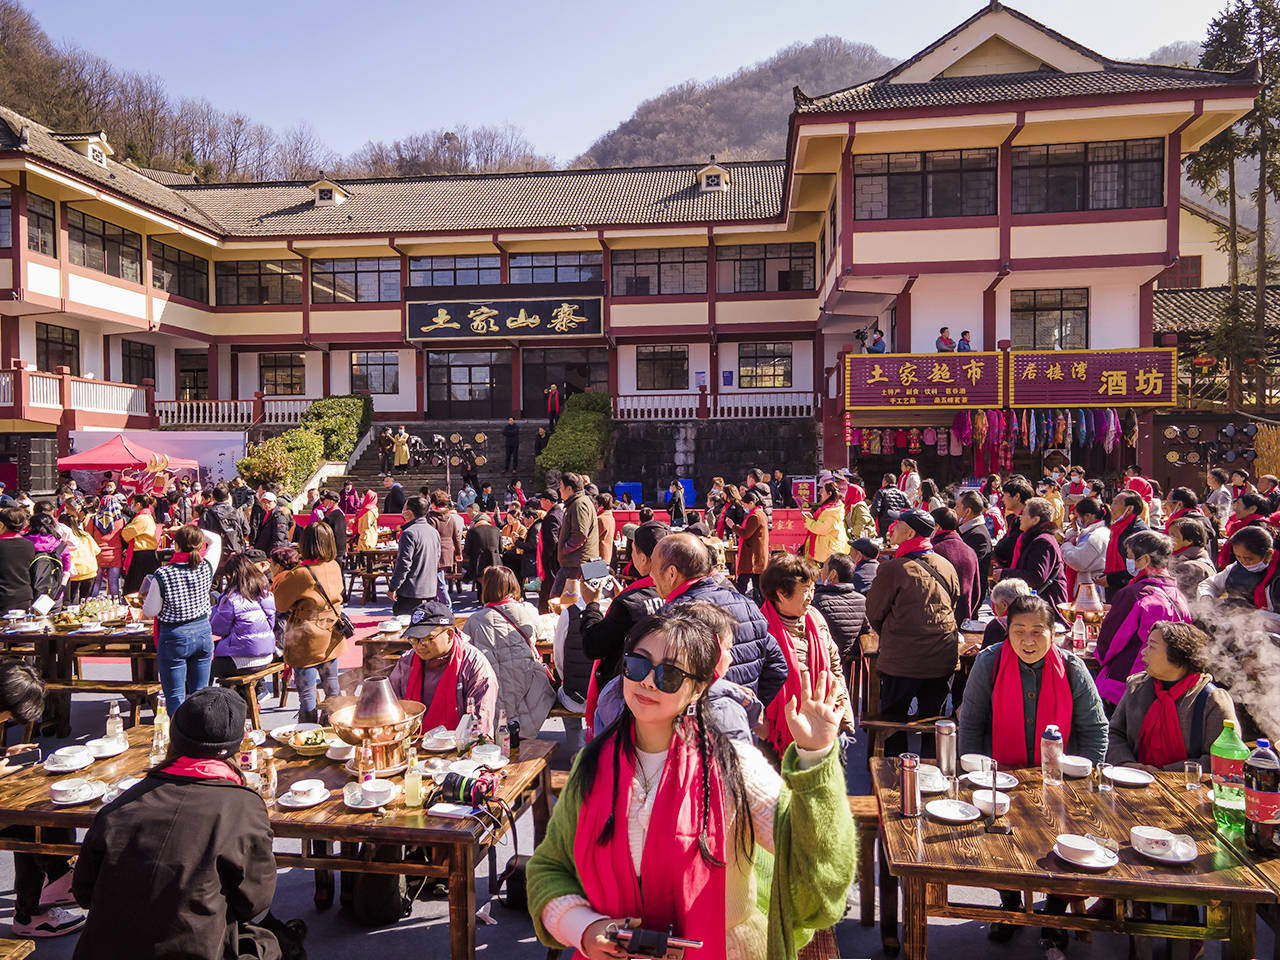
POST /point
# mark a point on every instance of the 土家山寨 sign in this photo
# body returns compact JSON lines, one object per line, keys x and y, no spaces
{"x":505,"y":319}
{"x":889,"y":381}
{"x":1141,"y":377}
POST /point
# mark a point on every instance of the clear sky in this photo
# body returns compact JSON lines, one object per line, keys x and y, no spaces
{"x":565,"y":72}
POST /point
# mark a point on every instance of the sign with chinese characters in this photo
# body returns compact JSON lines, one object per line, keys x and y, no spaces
{"x":1143,"y":377}
{"x":888,"y":381}
{"x":804,"y":490}
{"x":505,"y":319}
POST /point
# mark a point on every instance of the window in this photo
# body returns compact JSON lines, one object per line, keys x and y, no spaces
{"x":662,"y":367}
{"x":907,"y":186}
{"x":1184,"y":273}
{"x":762,"y":365}
{"x":105,"y":247}
{"x":6,"y":218}
{"x":647,"y":273}
{"x":1111,"y":175}
{"x":584,"y":267}
{"x":42,"y":230}
{"x":765,"y":267}
{"x":469,"y":385}
{"x":256,"y":282}
{"x":57,"y":347}
{"x":355,"y":281}
{"x":192,"y":374}
{"x":137,"y":362}
{"x":1049,"y":319}
{"x":376,"y":372}
{"x":176,"y":271}
{"x":454,"y":271}
{"x":282,"y":374}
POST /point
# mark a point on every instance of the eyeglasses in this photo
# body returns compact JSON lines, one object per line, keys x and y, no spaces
{"x":637,"y":667}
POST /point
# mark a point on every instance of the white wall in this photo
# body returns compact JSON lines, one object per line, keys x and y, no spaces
{"x":405,"y":399}
{"x":953,"y":301}
{"x":90,"y":341}
{"x":801,"y":366}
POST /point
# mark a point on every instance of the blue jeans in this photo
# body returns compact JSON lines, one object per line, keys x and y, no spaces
{"x":111,"y":576}
{"x":442,"y":590}
{"x":183,"y":655}
{"x":306,"y":678}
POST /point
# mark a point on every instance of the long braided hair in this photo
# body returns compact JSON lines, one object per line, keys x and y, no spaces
{"x":695,"y":649}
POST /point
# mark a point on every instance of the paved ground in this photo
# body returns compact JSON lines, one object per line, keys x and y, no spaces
{"x":334,"y":935}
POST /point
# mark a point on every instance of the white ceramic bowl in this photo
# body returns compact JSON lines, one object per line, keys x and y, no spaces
{"x":68,"y":756}
{"x":70,"y":789}
{"x":378,"y":791}
{"x":1076,"y":766}
{"x":982,"y":800}
{"x":309,"y":789}
{"x":972,"y":762}
{"x":1075,"y":847}
{"x":340,"y":751}
{"x":1151,"y":839}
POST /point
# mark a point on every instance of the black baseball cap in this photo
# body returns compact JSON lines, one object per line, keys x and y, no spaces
{"x":428,"y":617}
{"x":866,"y":547}
{"x":921,"y":521}
{"x":647,"y":536}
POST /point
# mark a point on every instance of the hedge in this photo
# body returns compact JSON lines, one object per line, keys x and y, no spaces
{"x":330,"y":430}
{"x":341,"y":421}
{"x":581,"y":438}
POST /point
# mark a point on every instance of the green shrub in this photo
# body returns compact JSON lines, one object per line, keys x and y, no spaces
{"x":341,"y":421}
{"x":581,"y":438}
{"x":290,"y":458}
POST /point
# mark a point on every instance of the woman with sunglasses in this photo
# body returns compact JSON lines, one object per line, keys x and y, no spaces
{"x":663,"y":801}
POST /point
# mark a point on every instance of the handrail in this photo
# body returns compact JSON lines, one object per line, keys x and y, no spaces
{"x":361,"y":446}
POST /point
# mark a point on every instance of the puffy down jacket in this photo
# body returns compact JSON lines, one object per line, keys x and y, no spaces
{"x":524,"y":689}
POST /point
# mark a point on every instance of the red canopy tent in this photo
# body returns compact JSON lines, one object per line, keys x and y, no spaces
{"x":121,"y":453}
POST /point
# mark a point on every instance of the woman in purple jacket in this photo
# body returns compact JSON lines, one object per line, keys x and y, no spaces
{"x":244,"y":618}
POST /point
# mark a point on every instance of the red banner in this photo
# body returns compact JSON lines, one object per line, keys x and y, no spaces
{"x":888,"y":381}
{"x":1143,"y":377}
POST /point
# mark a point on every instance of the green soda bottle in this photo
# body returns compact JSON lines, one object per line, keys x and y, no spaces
{"x":1227,"y":757}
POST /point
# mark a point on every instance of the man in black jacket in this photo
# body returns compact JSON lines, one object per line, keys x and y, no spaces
{"x":1014,"y":499}
{"x":179,"y":864}
{"x":755,"y":481}
{"x":395,"y":500}
{"x":549,"y":544}
{"x":511,"y":434}
{"x":482,"y":548}
{"x":842,"y":606}
{"x":274,"y":530}
{"x":970,"y":507}
{"x":485,"y":499}
{"x":337,"y":521}
{"x":888,"y":499}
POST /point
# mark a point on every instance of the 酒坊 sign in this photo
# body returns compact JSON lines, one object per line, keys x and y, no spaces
{"x":505,"y":319}
{"x":888,"y":381}
{"x":1141,"y":377}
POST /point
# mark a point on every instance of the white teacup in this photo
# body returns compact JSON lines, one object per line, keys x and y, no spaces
{"x":378,"y":791}
{"x":486,"y":753}
{"x":972,"y":762}
{"x":340,"y":751}
{"x":1077,"y":848}
{"x":1151,"y":840}
{"x":307,"y":790}
{"x":70,"y":756}
{"x":71,"y":789}
{"x":1076,"y":766}
{"x":982,"y":800}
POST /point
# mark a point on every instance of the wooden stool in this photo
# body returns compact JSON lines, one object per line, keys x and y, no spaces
{"x":866,"y":817}
{"x":561,"y":777}
{"x":133,"y":691}
{"x":244,"y":684}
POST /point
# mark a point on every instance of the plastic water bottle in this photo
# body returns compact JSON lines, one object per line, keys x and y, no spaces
{"x":1051,"y":755}
{"x":1262,"y":800}
{"x":465,"y":734}
{"x":1226,"y":765}
{"x":1079,"y":636}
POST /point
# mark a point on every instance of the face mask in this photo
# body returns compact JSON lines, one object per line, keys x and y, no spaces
{"x":1131,"y":566}
{"x":1257,"y":567}
{"x":1056,"y":475}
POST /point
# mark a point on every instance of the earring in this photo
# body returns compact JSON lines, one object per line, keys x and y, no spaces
{"x":689,"y":711}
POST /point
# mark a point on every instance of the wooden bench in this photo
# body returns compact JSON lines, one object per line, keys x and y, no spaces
{"x":866,"y":818}
{"x":561,"y":777}
{"x":16,"y":949}
{"x":244,"y":684}
{"x":133,"y":691}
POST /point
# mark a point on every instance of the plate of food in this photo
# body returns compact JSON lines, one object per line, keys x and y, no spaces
{"x":313,"y":743}
{"x":284,"y":733}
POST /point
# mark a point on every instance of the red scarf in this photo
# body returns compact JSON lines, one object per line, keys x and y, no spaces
{"x":1160,"y":739}
{"x":498,"y":603}
{"x":681,"y":589}
{"x":204,"y":768}
{"x":811,"y":537}
{"x":553,"y":401}
{"x":443,"y":708}
{"x":593,"y":685}
{"x":182,"y":557}
{"x":1260,"y":591}
{"x":1076,"y":488}
{"x":680,"y":889}
{"x":1008,"y":706}
{"x":914,"y":545}
{"x":1180,"y":512}
{"x":1114,"y":561}
{"x":1017,"y":551}
{"x":816,"y":662}
{"x":902,"y":480}
{"x":370,"y":504}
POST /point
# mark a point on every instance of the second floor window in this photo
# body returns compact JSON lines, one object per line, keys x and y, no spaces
{"x":662,"y":367}
{"x":282,"y":374}
{"x":356,"y":281}
{"x":648,"y":273}
{"x":57,"y":347}
{"x":257,"y":282}
{"x":137,"y":361}
{"x":764,"y":365}
{"x":6,"y":219}
{"x":42,"y":225}
{"x":579,"y":267}
{"x":759,"y":267}
{"x":909,"y":186}
{"x":1049,"y":319}
{"x":179,"y":272}
{"x":1184,"y":273}
{"x":1069,"y":177}
{"x":377,"y":372}
{"x":454,"y":271}
{"x":98,"y":245}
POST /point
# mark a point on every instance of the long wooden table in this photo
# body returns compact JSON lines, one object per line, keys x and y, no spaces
{"x":929,"y":857}
{"x":453,"y":845}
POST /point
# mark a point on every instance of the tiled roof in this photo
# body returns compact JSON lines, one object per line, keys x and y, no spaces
{"x":1195,"y":310}
{"x":169,"y":178}
{"x":44,"y":145}
{"x":552,"y":198}
{"x":882,"y":94}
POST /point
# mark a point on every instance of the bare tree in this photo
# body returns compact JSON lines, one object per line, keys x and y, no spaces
{"x":301,"y":155}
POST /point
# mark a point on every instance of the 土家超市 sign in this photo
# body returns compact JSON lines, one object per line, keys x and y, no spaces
{"x":504,"y":319}
{"x":1142,"y":377}
{"x":887,"y":381}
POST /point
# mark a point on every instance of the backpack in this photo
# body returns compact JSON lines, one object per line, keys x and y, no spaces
{"x":232,"y":542}
{"x":47,"y":570}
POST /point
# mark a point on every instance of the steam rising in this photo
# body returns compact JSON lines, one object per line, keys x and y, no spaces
{"x":1244,"y":656}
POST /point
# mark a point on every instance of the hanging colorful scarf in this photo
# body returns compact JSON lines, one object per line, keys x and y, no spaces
{"x":443,"y":708}
{"x":1008,"y":706}
{"x":1114,"y":560}
{"x":680,"y":889}
{"x":1160,"y":739}
{"x":816,"y":662}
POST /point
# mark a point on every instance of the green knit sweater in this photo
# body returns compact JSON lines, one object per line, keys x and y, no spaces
{"x":807,"y":877}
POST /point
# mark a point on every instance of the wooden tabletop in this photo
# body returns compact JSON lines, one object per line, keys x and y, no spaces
{"x":926,"y":847}
{"x":24,"y":797}
{"x":1198,"y":804}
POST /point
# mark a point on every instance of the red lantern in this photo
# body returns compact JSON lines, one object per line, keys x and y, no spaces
{"x":1250,"y":361}
{"x":1205,"y":361}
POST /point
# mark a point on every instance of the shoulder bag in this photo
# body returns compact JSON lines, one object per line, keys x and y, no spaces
{"x":344,"y":622}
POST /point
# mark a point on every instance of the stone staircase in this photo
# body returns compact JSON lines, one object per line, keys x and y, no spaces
{"x":366,"y":472}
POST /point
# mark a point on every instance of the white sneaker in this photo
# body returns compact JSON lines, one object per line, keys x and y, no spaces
{"x":58,"y":893}
{"x":56,"y":923}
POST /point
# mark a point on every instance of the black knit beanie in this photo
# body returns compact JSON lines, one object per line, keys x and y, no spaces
{"x":210,"y":723}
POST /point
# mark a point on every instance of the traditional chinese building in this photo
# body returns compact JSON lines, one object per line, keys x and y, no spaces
{"x":1005,"y":181}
